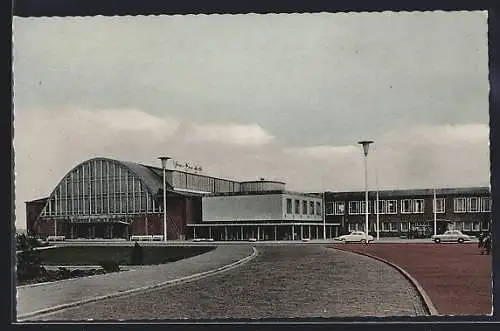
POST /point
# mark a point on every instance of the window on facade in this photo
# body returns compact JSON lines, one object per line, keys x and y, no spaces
{"x":418,"y":206}
{"x":381,"y":207}
{"x":339,"y":208}
{"x":486,"y":205}
{"x":391,"y":207}
{"x":118,"y":204}
{"x":105,"y":205}
{"x":473,"y":205}
{"x":394,"y":226}
{"x":406,"y":206}
{"x":297,"y":206}
{"x":404,"y":227}
{"x":329,"y":208}
{"x":304,"y":207}
{"x":476,"y":226}
{"x":439,"y":205}
{"x":385,"y":226}
{"x":363,"y":208}
{"x":467,"y":226}
{"x":354,"y":207}
{"x":318,"y":208}
{"x":352,"y":227}
{"x":311,"y":207}
{"x":112,"y":205}
{"x":289,"y":209}
{"x":63,"y":188}
{"x":99,"y":205}
{"x":130,"y":203}
{"x":459,"y":205}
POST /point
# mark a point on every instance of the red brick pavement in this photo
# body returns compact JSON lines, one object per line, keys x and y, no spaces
{"x":456,"y":277}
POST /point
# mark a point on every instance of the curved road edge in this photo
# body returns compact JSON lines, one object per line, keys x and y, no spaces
{"x":171,"y":282}
{"x":428,"y":302}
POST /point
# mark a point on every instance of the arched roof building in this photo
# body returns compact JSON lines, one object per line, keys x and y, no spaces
{"x":103,"y":197}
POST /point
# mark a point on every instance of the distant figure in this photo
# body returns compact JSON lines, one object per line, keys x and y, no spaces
{"x":481,"y":240}
{"x":486,"y":246}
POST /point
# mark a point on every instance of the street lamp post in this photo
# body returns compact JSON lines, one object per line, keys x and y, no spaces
{"x":366,"y":146}
{"x":435,"y":210}
{"x":164,"y":160}
{"x":324,"y":217}
{"x":377,"y":201}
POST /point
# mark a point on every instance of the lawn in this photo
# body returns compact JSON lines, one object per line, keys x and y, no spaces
{"x":93,"y":255}
{"x":455,"y":276}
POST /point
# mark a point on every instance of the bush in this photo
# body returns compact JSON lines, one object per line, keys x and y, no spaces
{"x":137,"y":255}
{"x":63,"y":273}
{"x":110,"y":266}
{"x":29,"y":263}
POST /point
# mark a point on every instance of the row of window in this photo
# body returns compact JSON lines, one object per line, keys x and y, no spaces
{"x":403,"y":226}
{"x":304,"y":207}
{"x":202,"y":183}
{"x":409,"y":206}
{"x":103,"y":204}
{"x":97,"y":169}
{"x":78,"y":194}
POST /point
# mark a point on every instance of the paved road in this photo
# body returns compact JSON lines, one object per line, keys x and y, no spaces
{"x":38,"y":297}
{"x":281,"y":282}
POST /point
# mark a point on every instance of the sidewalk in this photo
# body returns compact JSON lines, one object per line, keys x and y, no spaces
{"x":455,"y":276}
{"x":34,"y":298}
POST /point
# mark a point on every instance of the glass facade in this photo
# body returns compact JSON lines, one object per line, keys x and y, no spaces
{"x":188,"y":181}
{"x":100,"y":187}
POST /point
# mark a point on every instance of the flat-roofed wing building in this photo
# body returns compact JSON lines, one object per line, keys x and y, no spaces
{"x":467,"y":209}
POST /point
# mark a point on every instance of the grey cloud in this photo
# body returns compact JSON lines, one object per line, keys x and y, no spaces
{"x":306,"y":80}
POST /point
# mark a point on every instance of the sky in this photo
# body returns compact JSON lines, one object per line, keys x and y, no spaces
{"x":279,"y":96}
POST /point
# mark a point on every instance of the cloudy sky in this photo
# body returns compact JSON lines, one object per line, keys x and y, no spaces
{"x":284,"y":97}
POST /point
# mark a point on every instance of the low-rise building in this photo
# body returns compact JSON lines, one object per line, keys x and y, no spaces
{"x":400,"y":211}
{"x":268,"y":212}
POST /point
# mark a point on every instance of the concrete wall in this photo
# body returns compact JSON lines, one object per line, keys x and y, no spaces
{"x":243,"y":208}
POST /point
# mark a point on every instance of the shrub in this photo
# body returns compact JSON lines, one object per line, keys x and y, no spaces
{"x":29,"y":263}
{"x":78,"y":273}
{"x":63,"y":273}
{"x":110,"y":266}
{"x":137,"y":255}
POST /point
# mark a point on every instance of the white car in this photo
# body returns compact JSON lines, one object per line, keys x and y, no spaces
{"x":252,"y":239}
{"x":451,"y":236}
{"x":355,"y":236}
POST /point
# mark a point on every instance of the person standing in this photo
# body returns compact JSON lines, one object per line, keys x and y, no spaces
{"x":481,"y":240}
{"x":486,"y":245}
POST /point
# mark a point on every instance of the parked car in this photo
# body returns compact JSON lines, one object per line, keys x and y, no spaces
{"x":355,"y":236}
{"x":252,"y":239}
{"x":306,"y":239}
{"x":451,"y":236}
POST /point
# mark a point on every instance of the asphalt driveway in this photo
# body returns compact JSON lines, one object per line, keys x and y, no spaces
{"x":281,"y":282}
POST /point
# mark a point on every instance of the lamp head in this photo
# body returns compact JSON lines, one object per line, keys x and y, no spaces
{"x":164,"y":160}
{"x":366,"y":145}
